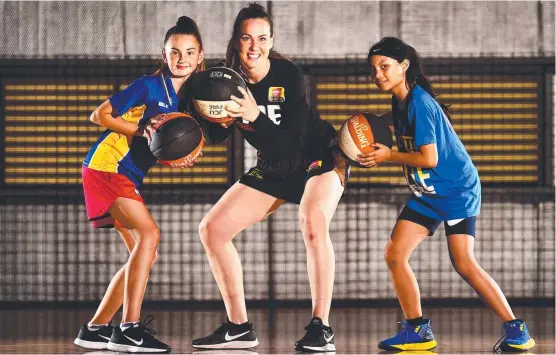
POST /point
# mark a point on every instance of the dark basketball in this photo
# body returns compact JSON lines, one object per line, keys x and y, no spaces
{"x":362,"y":130}
{"x":211,"y":90}
{"x":177,"y":140}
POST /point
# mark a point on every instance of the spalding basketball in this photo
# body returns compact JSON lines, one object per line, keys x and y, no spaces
{"x":177,"y":140}
{"x":211,"y":90}
{"x":362,"y":130}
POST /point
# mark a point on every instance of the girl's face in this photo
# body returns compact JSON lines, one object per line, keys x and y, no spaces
{"x":255,"y":43}
{"x":387,"y":73}
{"x":183,"y":54}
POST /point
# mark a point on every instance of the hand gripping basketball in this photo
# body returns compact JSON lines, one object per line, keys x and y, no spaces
{"x":177,"y":140}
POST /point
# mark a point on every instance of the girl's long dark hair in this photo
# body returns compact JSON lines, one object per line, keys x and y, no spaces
{"x":253,"y":11}
{"x":399,"y":50}
{"x":184,"y":26}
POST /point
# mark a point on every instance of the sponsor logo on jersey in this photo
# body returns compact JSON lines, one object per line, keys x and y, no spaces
{"x":216,"y":74}
{"x":256,"y":172}
{"x":276,"y":94}
{"x":162,"y":104}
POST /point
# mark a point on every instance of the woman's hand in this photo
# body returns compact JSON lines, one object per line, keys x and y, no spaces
{"x":381,"y":154}
{"x":248,"y":109}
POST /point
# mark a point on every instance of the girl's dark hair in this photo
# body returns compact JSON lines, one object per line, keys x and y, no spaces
{"x":253,"y":11}
{"x":184,"y":26}
{"x":399,"y":50}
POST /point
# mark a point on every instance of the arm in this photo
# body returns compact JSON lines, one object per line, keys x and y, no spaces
{"x":426,"y":157}
{"x":289,"y":135}
{"x":109,"y":113}
{"x":105,"y":116}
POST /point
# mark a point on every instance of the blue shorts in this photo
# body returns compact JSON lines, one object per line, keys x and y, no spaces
{"x":463,"y":226}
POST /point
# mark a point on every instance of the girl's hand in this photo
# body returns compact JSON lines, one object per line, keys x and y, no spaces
{"x":189,"y":165}
{"x":227,"y":124}
{"x":148,"y":129}
{"x":248,"y":109}
{"x":381,"y":154}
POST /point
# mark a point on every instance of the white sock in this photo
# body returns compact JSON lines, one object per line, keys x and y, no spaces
{"x":124,"y":326}
{"x":94,"y":326}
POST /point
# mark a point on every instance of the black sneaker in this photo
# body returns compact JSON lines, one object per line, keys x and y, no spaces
{"x":229,"y":336}
{"x":318,"y":337}
{"x":137,"y":339}
{"x":95,"y":339}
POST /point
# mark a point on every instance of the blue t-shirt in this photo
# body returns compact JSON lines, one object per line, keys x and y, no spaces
{"x":452,"y":189}
{"x":130,"y":155}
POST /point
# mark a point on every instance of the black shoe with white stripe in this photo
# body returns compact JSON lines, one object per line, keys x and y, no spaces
{"x":94,"y":338}
{"x":137,"y":339}
{"x":229,"y":336}
{"x":319,"y":338}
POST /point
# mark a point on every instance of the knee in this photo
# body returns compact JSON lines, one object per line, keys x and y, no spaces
{"x":465,"y":268}
{"x":208,"y":232}
{"x":148,"y":240}
{"x":392,"y":256}
{"x":150,"y":235}
{"x":313,"y":227}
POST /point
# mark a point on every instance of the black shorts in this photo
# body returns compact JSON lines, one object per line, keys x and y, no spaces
{"x":291,"y":188}
{"x":465,"y":226}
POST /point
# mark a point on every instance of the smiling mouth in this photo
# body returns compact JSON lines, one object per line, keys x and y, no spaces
{"x":253,"y":56}
{"x":380,"y":82}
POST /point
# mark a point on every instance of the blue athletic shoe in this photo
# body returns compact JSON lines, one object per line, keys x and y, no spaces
{"x":516,"y":337}
{"x":417,"y":337}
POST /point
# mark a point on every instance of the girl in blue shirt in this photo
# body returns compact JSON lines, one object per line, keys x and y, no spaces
{"x":446,"y":188}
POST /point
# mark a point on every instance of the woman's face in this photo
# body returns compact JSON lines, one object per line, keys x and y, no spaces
{"x":255,"y":43}
{"x":387,"y":73}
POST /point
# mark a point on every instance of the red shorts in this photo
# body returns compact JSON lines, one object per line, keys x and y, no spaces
{"x":101,"y":189}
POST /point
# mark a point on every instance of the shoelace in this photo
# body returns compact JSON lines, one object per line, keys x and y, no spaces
{"x":496,"y":346}
{"x":143,"y":325}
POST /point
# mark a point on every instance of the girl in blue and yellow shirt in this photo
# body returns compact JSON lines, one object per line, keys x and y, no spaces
{"x":113,"y":172}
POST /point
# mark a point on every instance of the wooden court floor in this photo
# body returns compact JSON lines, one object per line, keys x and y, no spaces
{"x":458,"y":330}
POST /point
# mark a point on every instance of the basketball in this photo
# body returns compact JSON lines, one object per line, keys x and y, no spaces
{"x":362,"y":130}
{"x":211,"y":90}
{"x":177,"y":140}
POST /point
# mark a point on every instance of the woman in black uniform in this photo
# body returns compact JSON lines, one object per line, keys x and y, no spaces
{"x":297,"y":161}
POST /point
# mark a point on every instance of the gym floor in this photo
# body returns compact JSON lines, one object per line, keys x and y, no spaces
{"x":458,"y":330}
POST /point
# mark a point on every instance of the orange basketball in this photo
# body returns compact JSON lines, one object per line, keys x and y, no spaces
{"x":360,"y":132}
{"x":177,"y":141}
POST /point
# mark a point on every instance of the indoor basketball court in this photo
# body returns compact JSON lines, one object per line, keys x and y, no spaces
{"x":492,"y":63}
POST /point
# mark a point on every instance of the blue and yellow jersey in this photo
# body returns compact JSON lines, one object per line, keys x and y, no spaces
{"x":452,"y":189}
{"x":130,"y":155}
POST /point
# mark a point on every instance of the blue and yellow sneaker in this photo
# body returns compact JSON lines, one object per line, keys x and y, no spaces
{"x":516,"y":337}
{"x":411,"y":337}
